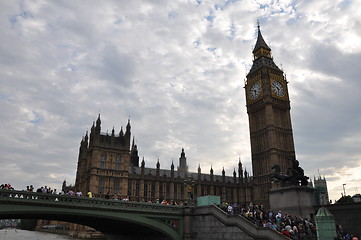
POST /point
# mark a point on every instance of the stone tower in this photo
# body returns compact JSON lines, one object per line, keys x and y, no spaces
{"x":321,"y":192}
{"x":104,"y":160}
{"x":268,"y":109}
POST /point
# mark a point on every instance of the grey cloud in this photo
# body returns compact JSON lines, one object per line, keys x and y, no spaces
{"x":329,"y":60}
{"x":130,"y":59}
{"x":117,"y":67}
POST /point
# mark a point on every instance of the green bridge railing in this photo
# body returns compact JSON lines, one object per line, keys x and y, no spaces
{"x":33,"y":198}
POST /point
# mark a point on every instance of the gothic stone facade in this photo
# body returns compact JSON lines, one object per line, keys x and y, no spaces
{"x":109,"y":164}
{"x":268,"y":108}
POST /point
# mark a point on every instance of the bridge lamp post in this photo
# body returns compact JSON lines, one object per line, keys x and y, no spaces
{"x":189,"y":183}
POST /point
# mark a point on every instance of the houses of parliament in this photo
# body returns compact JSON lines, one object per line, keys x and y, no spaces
{"x":109,"y":164}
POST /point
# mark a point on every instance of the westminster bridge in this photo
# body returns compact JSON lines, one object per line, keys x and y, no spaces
{"x":132,"y":220}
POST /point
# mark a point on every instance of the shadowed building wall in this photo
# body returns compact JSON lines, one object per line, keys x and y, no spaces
{"x":108,"y":164}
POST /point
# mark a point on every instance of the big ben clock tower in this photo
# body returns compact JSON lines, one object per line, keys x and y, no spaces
{"x":268,"y":109}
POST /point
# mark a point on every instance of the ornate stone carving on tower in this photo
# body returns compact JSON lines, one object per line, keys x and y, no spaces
{"x":268,"y":109}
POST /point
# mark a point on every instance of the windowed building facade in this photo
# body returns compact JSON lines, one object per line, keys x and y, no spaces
{"x":109,"y":165}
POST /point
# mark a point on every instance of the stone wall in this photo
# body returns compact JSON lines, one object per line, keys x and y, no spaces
{"x":211,"y":223}
{"x":207,"y":227}
{"x":348,"y":215}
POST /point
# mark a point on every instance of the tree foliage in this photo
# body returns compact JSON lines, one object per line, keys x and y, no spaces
{"x":345,"y":199}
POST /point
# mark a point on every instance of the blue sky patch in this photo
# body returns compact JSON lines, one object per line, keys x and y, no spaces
{"x":37,"y":119}
{"x":197,"y":42}
{"x":172,"y":15}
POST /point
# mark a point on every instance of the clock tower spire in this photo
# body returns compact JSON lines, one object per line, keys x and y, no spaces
{"x":268,"y":109}
{"x":261,"y":48}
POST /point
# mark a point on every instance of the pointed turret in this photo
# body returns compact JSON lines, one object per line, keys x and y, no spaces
{"x":240,"y":171}
{"x":172,"y":170}
{"x":158,"y":168}
{"x":157,"y":171}
{"x":92,"y":131}
{"x":84,"y":142}
{"x":262,"y":54}
{"x":134,"y":155}
{"x":95,"y":132}
{"x":98,"y":121}
{"x":261,"y":48}
{"x":158,"y":164}
{"x":234,"y":176}
{"x":142,"y":166}
{"x":128,"y":126}
{"x":183,"y":162}
{"x":127,"y":134}
{"x":86,"y":137}
{"x":223,"y":175}
{"x":97,"y":126}
{"x":143,"y":163}
{"x":112,"y":137}
{"x":199,"y":172}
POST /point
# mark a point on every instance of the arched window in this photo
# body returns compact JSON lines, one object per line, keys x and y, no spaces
{"x":117,"y":162}
{"x":103,"y":161}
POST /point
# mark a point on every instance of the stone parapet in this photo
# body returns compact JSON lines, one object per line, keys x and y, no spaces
{"x":210,"y":222}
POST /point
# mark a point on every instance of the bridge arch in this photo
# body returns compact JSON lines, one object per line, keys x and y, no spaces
{"x":128,"y":219}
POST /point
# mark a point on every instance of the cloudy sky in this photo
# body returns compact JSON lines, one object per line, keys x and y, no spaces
{"x":177,"y":70}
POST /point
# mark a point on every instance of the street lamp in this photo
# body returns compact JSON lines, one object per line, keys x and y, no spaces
{"x":344,"y":192}
{"x":189,"y":184}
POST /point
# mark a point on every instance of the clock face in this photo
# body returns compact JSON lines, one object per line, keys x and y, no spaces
{"x":278,"y":89}
{"x":255,"y":91}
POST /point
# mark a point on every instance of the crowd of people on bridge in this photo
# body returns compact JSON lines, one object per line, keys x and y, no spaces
{"x":290,"y":226}
{"x":6,"y":186}
{"x":49,"y":190}
{"x":293,"y":227}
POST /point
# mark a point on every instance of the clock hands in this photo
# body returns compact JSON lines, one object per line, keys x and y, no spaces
{"x":277,"y":88}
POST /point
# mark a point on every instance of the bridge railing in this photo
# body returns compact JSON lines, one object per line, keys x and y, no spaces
{"x":24,"y":197}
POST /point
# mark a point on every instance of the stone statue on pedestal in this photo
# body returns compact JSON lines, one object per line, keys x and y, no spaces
{"x":295,"y":175}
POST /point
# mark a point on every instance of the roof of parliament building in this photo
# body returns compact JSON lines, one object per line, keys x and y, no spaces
{"x":122,"y":139}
